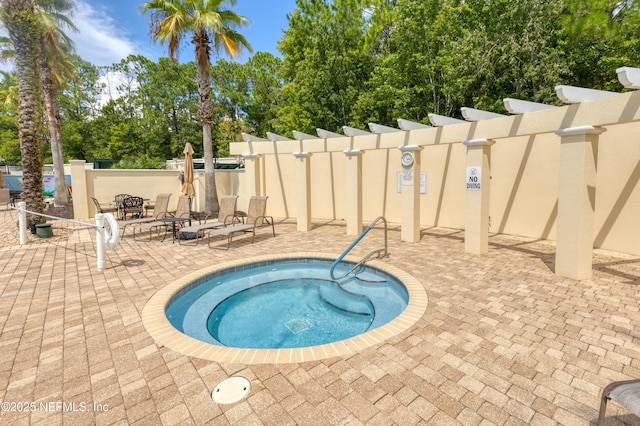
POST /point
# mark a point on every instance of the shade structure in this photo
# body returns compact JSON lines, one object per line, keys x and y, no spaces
{"x":187,"y":185}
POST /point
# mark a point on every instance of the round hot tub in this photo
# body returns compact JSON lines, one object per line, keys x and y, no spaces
{"x":283,"y":309}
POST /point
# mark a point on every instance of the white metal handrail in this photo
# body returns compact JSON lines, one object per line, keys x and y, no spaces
{"x":383,"y":252}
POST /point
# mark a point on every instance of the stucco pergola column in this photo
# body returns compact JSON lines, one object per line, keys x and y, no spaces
{"x":478,"y":186}
{"x":80,"y":188}
{"x":410,"y":196}
{"x":252,"y":173}
{"x":576,"y":201}
{"x":303,"y":174}
{"x":353,"y":205}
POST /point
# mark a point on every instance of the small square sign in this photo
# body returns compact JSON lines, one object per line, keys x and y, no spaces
{"x":474,"y":178}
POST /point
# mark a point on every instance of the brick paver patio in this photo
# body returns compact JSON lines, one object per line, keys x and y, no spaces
{"x":503,"y":341}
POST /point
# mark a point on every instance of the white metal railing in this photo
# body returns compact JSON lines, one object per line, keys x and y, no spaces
{"x":99,"y":226}
{"x":381,"y":252}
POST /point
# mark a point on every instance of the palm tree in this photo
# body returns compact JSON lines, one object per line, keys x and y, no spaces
{"x":380,"y":24}
{"x":8,"y":96}
{"x":9,"y":91}
{"x":171,"y":21}
{"x":54,"y":64}
{"x":24,"y":29}
{"x":54,"y":47}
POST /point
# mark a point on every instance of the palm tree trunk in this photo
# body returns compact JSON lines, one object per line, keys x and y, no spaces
{"x":23,"y":31}
{"x":53,"y":125}
{"x":211,"y":193}
{"x":203,"y":73}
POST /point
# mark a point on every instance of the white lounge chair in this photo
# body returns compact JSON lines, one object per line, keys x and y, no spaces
{"x":626,"y":393}
{"x":101,"y":208}
{"x":255,"y":219}
{"x":5,"y":200}
{"x":159,"y":211}
{"x":226,"y":216}
{"x":182,"y":211}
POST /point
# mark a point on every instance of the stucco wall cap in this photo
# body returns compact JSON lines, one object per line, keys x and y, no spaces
{"x":478,"y":142}
{"x":580,"y":130}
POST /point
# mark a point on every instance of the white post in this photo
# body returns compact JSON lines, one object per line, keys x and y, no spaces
{"x":410,"y":196}
{"x":304,"y":191}
{"x":577,"y":201}
{"x":22,"y":222}
{"x":100,"y":242}
{"x":354,"y":191}
{"x":252,"y":174}
{"x":478,"y":187}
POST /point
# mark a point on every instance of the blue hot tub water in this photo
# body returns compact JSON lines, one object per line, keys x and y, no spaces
{"x":286,"y":304}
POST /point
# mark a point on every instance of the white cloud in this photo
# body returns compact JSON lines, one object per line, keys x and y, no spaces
{"x":98,"y":39}
{"x":115,"y":84}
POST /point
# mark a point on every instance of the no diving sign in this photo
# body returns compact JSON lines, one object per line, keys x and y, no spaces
{"x":474,"y":181}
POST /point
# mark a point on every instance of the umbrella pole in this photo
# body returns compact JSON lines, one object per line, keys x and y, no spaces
{"x":189,"y":198}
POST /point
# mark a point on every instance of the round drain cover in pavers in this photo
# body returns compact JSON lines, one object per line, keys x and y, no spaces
{"x":231,"y":390}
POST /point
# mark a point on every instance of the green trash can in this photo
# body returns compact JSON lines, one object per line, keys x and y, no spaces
{"x":43,"y":230}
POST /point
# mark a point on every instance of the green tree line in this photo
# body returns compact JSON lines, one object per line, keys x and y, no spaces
{"x":343,"y":62}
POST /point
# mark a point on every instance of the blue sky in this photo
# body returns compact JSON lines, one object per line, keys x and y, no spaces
{"x":109,"y":31}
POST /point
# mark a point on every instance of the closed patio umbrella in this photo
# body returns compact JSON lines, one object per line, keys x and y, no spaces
{"x":187,"y":185}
